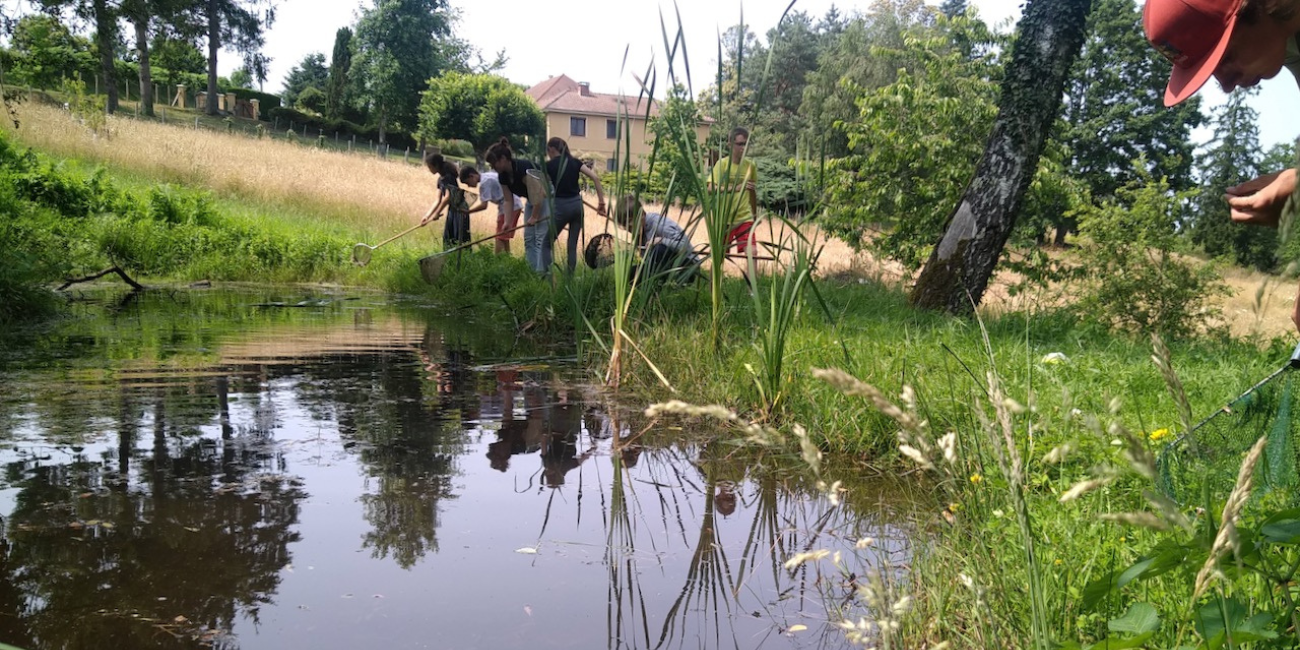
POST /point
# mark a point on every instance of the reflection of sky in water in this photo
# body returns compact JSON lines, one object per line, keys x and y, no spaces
{"x":424,"y":475}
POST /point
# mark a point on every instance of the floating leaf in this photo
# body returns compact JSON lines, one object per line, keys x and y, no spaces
{"x":797,"y":628}
{"x":527,"y":550}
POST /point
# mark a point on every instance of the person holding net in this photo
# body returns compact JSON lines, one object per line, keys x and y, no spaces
{"x":1239,"y":43}
{"x":735,"y":179}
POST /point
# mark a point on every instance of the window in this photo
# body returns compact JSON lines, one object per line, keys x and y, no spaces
{"x":611,"y":129}
{"x":611,"y":165}
{"x":578,"y":126}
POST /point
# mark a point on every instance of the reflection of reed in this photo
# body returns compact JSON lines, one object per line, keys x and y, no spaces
{"x":708,"y":581}
{"x":626,"y":609}
{"x":764,"y":532}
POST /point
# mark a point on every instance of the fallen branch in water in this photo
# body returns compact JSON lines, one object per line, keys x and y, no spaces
{"x":115,"y":269}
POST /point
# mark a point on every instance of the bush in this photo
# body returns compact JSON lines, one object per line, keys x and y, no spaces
{"x":1139,"y":281}
{"x":312,"y":99}
{"x":396,"y":139}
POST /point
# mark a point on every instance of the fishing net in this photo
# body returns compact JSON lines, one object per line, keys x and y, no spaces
{"x":1201,"y":466}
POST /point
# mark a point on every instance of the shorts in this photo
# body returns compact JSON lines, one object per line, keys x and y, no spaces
{"x":504,"y":224}
{"x":742,"y":236}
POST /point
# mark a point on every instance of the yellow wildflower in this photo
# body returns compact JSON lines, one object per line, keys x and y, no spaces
{"x":976,"y":479}
{"x":1158,"y":435}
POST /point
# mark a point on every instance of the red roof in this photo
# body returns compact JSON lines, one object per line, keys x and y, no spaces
{"x":562,"y":94}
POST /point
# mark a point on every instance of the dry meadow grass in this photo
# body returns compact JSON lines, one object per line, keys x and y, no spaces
{"x":386,"y":196}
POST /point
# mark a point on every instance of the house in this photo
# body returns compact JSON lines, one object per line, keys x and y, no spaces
{"x":589,"y":121}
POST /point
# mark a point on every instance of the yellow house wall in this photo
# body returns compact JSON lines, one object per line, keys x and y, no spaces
{"x":596,"y":145}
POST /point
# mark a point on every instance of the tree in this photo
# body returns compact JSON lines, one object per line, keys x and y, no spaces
{"x":310,"y":73}
{"x":1114,"y":112}
{"x":104,"y":19}
{"x":851,"y":62}
{"x":478,"y":108}
{"x":913,"y":148}
{"x":1049,"y":37}
{"x":241,"y":77}
{"x":45,"y":50}
{"x":336,"y":85}
{"x":395,"y":55}
{"x":1230,"y":158}
{"x":953,"y":8}
{"x":238,"y":24}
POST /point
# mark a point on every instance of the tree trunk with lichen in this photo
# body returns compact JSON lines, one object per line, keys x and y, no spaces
{"x":1048,"y":41}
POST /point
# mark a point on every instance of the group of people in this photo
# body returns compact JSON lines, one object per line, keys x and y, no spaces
{"x":505,"y":186}
{"x":1239,"y":43}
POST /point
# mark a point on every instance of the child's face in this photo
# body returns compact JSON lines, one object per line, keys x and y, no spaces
{"x":472,"y":180}
{"x":1255,"y":52}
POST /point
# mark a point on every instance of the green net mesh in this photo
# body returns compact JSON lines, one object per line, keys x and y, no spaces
{"x":1201,"y":467}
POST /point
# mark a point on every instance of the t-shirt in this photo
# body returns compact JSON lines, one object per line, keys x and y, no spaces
{"x":515,"y":179}
{"x":724,"y":178}
{"x":1292,"y":61}
{"x":656,"y":226}
{"x":489,"y":189}
{"x":564,"y":171}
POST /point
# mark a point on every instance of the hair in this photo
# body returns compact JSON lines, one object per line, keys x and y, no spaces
{"x":466,"y":172}
{"x":433,"y":161}
{"x":499,"y":151}
{"x":1252,"y":11}
{"x":740,"y":130}
{"x":626,"y":210}
{"x":449,"y":171}
{"x":559,"y":145}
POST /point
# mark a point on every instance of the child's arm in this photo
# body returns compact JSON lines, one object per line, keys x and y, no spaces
{"x":600,"y":191}
{"x":433,"y":213}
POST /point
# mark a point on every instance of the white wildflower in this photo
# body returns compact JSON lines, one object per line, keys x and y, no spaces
{"x":1055,"y":358}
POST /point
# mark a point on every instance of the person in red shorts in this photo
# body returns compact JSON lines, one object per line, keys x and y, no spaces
{"x":735,"y":179}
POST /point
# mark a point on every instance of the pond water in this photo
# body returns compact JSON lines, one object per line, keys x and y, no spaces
{"x":275,"y":468}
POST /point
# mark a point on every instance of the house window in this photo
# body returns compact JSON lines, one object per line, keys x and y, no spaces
{"x":611,"y":129}
{"x":611,"y":165}
{"x":578,"y":126}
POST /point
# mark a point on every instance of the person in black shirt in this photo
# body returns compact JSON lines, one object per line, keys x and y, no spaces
{"x":537,"y":224}
{"x":563,"y":170}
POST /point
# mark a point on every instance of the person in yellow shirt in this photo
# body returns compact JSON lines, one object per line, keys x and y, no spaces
{"x":736,"y":178}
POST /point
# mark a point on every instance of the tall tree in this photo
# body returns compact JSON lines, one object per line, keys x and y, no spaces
{"x":478,"y":108}
{"x":1113,"y":109}
{"x":145,"y":17}
{"x":395,"y":56}
{"x":1231,"y":157}
{"x":103,"y":18}
{"x":236,"y":24}
{"x":1049,"y":37}
{"x":336,"y":86}
{"x":310,"y":73}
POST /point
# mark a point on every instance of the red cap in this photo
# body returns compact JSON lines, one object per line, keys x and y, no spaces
{"x":1192,"y":34}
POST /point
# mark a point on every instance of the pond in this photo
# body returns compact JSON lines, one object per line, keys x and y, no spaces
{"x":293,"y":468}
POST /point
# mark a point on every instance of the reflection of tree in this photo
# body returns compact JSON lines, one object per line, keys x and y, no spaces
{"x":200,"y":531}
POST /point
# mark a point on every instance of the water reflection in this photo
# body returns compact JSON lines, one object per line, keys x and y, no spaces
{"x":359,"y":474}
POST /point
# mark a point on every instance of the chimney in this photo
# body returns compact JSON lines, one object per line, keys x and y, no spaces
{"x":584,"y":89}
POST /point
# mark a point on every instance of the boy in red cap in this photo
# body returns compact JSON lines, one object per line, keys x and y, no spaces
{"x":1239,"y":43}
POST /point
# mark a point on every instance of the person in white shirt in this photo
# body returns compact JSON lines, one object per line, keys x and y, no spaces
{"x":489,"y":191}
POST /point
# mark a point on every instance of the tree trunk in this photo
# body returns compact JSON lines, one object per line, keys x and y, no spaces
{"x":383,"y":124}
{"x":105,"y":31}
{"x":214,"y":44}
{"x":146,"y":73}
{"x":957,"y":274}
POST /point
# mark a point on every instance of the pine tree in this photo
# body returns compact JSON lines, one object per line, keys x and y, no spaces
{"x":1231,"y":157}
{"x":336,"y":87}
{"x":1114,"y":111}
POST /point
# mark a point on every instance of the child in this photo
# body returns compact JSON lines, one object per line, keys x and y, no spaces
{"x":456,"y":232}
{"x":435,"y":163}
{"x":664,"y":246}
{"x":489,"y":186}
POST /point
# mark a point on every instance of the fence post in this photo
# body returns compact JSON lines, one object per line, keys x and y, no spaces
{"x":196,"y":121}
{"x":304,"y":130}
{"x":406,"y":157}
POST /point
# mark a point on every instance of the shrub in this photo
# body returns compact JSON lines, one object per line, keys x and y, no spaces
{"x":1139,"y":280}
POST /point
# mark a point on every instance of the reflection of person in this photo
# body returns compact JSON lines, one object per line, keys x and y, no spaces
{"x":1239,"y":43}
{"x":537,"y":216}
{"x":725,"y":500}
{"x":736,"y":178}
{"x":564,"y":170}
{"x":489,"y":186}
